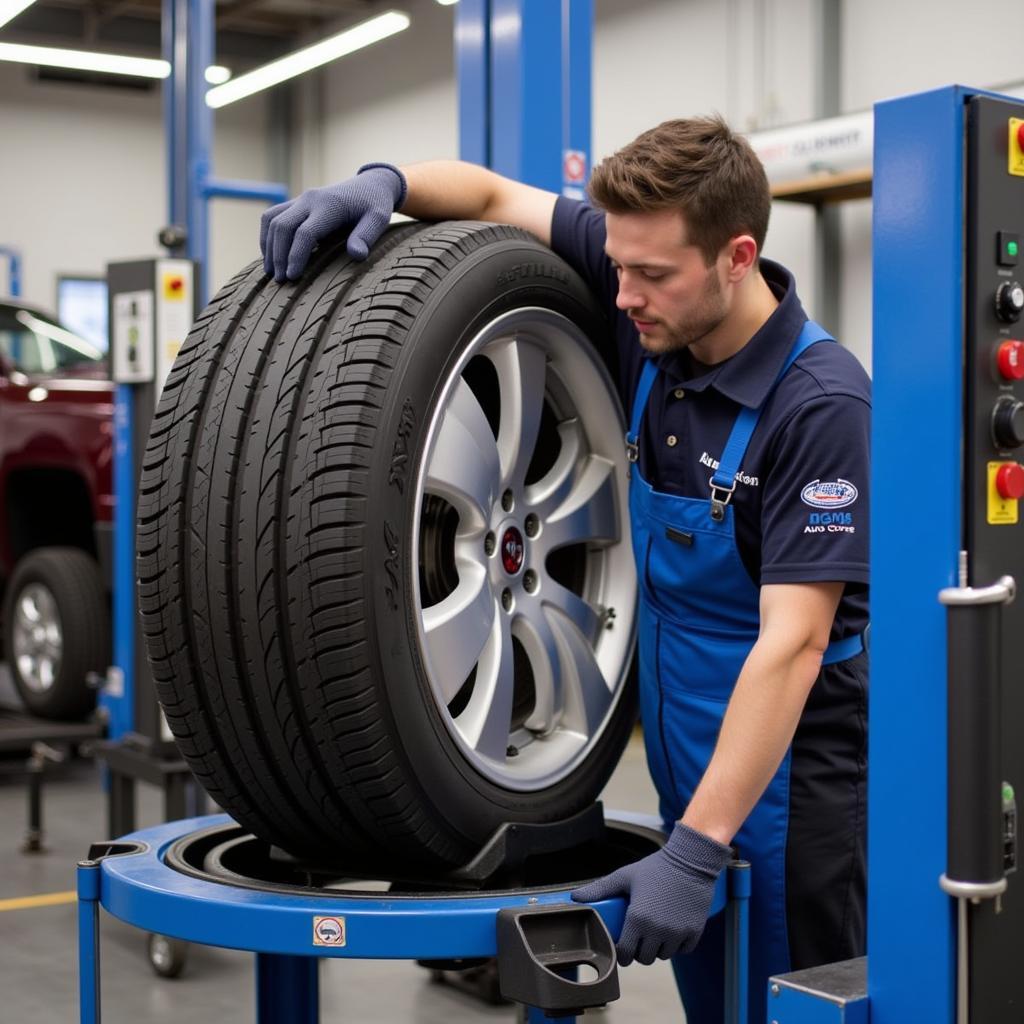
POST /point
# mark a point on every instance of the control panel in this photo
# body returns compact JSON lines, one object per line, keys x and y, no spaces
{"x":993,"y":493}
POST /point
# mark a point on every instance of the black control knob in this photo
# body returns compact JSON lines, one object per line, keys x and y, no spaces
{"x":1008,"y":423}
{"x":1009,"y":301}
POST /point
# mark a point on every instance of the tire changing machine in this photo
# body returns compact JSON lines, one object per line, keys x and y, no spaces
{"x":206,"y":880}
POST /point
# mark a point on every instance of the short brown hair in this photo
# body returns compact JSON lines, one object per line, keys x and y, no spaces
{"x":698,"y":166}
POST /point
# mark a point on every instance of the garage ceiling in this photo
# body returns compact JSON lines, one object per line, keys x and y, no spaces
{"x":253,"y":29}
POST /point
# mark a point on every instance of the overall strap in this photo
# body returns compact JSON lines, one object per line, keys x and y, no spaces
{"x":643,"y":391}
{"x":723,"y":483}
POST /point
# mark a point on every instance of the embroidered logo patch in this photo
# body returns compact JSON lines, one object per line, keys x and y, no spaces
{"x":829,"y":493}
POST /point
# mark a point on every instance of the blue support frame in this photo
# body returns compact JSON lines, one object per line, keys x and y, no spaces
{"x":187,"y":41}
{"x":188,"y":38}
{"x":131,"y":880}
{"x":13,"y":270}
{"x":512,"y":58}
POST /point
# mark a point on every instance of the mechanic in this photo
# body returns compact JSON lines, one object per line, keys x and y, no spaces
{"x":749,"y":432}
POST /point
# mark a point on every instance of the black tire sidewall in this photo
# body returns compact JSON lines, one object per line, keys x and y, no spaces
{"x":500,"y":277}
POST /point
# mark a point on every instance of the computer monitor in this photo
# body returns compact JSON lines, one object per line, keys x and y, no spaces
{"x":82,"y":307}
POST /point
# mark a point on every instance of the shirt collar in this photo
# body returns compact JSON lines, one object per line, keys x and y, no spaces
{"x":749,"y":375}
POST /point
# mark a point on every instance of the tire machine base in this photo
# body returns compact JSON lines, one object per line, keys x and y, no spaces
{"x":204,"y":880}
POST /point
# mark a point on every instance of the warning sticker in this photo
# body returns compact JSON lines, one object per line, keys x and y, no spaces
{"x":174,"y":287}
{"x":1001,"y":511}
{"x":328,"y":931}
{"x":1015,"y":156}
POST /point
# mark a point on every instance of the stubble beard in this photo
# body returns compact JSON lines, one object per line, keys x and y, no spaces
{"x":708,"y":315}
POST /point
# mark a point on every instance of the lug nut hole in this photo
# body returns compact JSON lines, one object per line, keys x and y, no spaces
{"x":507,"y":501}
{"x":532,"y":525}
{"x":506,"y":599}
{"x":489,"y":544}
{"x":530,"y":581}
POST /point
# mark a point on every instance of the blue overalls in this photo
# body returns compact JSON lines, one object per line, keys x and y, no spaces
{"x":699,"y":619}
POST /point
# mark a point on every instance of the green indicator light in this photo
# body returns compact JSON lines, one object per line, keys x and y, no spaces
{"x":1007,"y":793}
{"x":1011,"y":248}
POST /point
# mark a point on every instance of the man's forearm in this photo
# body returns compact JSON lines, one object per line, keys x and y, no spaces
{"x":454,"y":190}
{"x":759,"y":725}
{"x":448,"y":190}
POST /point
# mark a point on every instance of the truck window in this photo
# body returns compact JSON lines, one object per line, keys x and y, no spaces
{"x":37,"y":346}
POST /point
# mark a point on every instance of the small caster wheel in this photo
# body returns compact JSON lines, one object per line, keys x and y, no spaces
{"x":166,"y":955}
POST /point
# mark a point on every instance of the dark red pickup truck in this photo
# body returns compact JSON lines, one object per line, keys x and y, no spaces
{"x":56,"y":509}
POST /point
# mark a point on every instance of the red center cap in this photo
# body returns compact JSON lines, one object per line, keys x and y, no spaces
{"x":512,"y":551}
{"x":1010,"y":481}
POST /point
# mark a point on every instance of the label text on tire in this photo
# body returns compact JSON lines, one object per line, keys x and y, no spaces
{"x":400,"y":453}
{"x":523,"y":271}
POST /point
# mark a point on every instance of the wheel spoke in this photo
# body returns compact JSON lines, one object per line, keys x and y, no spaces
{"x":522,"y":368}
{"x":463,"y":465}
{"x":555,"y":486}
{"x":584,"y":616}
{"x":589,"y":512}
{"x":586,"y":694}
{"x":457,"y":629}
{"x":533,"y":631}
{"x":487,"y":719}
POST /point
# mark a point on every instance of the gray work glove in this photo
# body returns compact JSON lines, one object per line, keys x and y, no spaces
{"x":290,"y":231}
{"x":669,"y":895}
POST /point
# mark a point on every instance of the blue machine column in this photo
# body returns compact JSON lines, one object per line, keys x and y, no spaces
{"x":945,"y":908}
{"x":917,"y":233}
{"x":524,"y":70}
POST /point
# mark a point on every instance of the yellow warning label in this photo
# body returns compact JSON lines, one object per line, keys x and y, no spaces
{"x":1001,"y":511}
{"x":1015,"y":155}
{"x":174,"y":286}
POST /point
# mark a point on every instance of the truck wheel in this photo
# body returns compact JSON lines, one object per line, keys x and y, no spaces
{"x":56,"y":630}
{"x":386,"y":577}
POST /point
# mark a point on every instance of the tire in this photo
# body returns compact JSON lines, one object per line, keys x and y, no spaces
{"x":324,"y":523}
{"x":56,"y":631}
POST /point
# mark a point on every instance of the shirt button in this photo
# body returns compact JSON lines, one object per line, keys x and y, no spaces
{"x":679,"y":393}
{"x":671,"y":440}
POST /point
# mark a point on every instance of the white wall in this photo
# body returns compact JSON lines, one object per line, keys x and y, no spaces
{"x":83,"y":179}
{"x":395,"y":101}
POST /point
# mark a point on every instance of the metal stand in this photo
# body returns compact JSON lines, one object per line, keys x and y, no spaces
{"x":160,"y":880}
{"x":47,"y":743}
{"x":132,"y":759}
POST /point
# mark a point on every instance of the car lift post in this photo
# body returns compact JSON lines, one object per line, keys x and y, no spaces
{"x":13,"y":270}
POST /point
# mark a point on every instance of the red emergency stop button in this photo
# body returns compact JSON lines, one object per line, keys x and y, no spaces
{"x":1020,"y":136}
{"x":1010,"y":481}
{"x":1010,"y":360}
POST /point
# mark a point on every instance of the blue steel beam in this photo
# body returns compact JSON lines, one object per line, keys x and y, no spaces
{"x":524,"y":69}
{"x":472,"y":71}
{"x":13,"y":270}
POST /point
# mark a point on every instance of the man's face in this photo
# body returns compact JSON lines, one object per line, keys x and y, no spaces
{"x":665,"y":287}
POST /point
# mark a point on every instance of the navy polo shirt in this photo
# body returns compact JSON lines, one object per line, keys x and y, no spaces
{"x":801,"y":498}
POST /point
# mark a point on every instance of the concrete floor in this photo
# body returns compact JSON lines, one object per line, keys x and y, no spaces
{"x":38,"y":946}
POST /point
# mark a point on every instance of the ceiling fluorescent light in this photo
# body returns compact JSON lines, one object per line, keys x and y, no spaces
{"x":447,"y":3}
{"x":304,"y":60}
{"x":217,"y":74}
{"x":10,"y":9}
{"x":82,"y":60}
